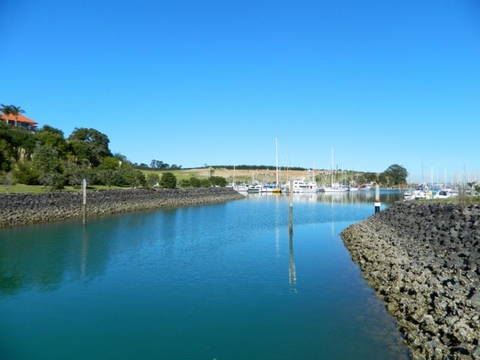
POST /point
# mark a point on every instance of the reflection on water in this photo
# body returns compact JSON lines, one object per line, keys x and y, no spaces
{"x":28,"y":259}
{"x":194,"y":283}
{"x":292,"y":272}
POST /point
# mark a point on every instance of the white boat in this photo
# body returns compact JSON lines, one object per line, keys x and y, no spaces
{"x":240,"y":188}
{"x":254,"y":189}
{"x":445,"y":194}
{"x":303,"y":187}
{"x":335,"y":188}
{"x":353,"y":189}
{"x":271,"y":189}
{"x":415,"y":195}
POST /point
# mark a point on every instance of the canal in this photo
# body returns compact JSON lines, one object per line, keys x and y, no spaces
{"x":225,"y":281}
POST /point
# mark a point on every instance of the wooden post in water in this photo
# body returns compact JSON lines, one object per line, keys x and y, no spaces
{"x":378,"y":204}
{"x":84,"y":201}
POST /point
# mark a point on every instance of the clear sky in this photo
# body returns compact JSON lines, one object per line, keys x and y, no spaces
{"x":195,"y":82}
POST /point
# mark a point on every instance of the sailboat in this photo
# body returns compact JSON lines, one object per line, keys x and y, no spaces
{"x":334,"y":187}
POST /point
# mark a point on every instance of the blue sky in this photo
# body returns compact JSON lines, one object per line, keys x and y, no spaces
{"x":195,"y":82}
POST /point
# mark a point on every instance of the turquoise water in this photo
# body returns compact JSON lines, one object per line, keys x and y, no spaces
{"x":218,"y":282}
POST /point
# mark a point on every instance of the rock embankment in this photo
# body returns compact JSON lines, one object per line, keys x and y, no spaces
{"x":424,"y":262}
{"x":21,"y":209}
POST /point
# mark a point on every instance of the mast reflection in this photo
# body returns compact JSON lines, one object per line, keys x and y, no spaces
{"x":292,"y":272}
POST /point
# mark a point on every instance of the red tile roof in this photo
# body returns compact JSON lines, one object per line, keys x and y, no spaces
{"x":19,"y":118}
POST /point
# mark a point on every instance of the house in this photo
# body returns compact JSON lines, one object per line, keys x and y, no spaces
{"x":19,"y":120}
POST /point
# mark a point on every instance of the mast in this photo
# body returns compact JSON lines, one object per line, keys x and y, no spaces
{"x":331,"y":167}
{"x":276,"y":162}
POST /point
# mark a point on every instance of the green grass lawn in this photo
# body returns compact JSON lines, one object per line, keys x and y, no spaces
{"x":20,"y":188}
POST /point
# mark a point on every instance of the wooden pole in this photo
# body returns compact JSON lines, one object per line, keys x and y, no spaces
{"x":84,"y":201}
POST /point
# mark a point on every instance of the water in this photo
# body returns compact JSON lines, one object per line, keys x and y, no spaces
{"x":214,"y":282}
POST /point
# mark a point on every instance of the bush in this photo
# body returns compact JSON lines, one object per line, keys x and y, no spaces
{"x":168,"y":181}
{"x":218,"y":181}
{"x":185,"y":183}
{"x":153,"y":179}
{"x":205,"y":183}
{"x":194,"y":182}
{"x":25,"y":173}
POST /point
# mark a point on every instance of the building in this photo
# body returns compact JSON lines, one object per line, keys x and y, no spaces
{"x":19,"y":120}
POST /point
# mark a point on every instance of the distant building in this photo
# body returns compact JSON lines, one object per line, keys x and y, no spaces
{"x":19,"y":120}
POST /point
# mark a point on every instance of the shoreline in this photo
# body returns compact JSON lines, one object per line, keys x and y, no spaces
{"x":26,"y":209}
{"x":423,"y":261}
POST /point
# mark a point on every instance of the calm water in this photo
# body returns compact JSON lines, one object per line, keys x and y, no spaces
{"x":214,"y":282}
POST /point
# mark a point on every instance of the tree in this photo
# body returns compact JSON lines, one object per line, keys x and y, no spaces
{"x":12,"y":110}
{"x":52,"y":137}
{"x":394,"y":175}
{"x":153,"y":179}
{"x":89,"y":144}
{"x":168,"y":181}
{"x":47,"y":163}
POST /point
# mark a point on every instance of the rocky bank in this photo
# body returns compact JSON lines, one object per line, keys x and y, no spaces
{"x":22,"y":209}
{"x":423,"y":260}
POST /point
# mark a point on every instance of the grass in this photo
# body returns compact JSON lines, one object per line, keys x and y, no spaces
{"x":39,"y":189}
{"x":241,"y":175}
{"x":20,"y":188}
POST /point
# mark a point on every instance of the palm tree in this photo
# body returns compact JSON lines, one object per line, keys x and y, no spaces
{"x":12,"y":110}
{"x":6,"y":110}
{"x":16,"y":110}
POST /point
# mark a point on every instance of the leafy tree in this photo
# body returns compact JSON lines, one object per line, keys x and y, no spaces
{"x":394,"y":175}
{"x":158,"y":164}
{"x":110,"y":163}
{"x":153,"y":179}
{"x":168,"y":181}
{"x":49,"y":166}
{"x":89,"y":144}
{"x":52,"y":137}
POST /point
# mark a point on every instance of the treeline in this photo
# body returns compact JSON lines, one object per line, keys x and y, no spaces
{"x":158,"y":165}
{"x":252,"y":167}
{"x":46,"y":157}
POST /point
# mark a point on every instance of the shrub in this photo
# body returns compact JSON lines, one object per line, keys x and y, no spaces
{"x":185,"y":183}
{"x":205,"y":183}
{"x":153,"y":179}
{"x":168,"y":181}
{"x":194,"y":182}
{"x":26,"y":174}
{"x":218,"y":181}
